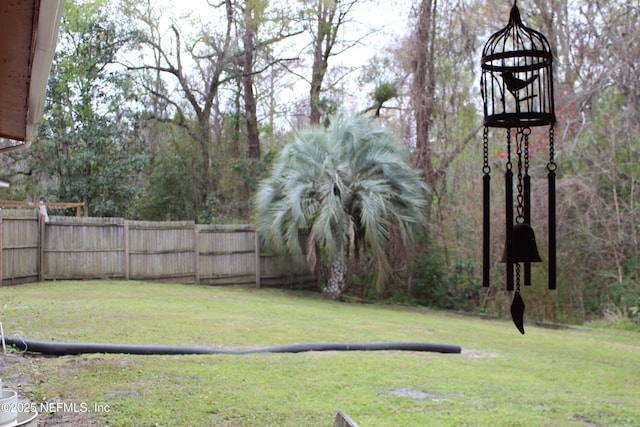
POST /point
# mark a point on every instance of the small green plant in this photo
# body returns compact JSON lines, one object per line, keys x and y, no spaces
{"x":12,"y":349}
{"x":635,"y":312}
{"x":436,"y":285}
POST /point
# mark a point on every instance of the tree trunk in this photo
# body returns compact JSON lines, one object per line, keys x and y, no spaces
{"x":319,"y":68}
{"x":204,"y":142}
{"x":318,"y":71}
{"x":324,"y":40}
{"x":423,"y":86}
{"x":335,"y":284}
{"x":247,"y":62}
{"x":250,"y":110}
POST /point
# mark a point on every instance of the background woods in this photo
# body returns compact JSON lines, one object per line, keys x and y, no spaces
{"x":163,"y":112}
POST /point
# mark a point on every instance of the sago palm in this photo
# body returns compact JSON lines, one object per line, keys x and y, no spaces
{"x":349,"y":184}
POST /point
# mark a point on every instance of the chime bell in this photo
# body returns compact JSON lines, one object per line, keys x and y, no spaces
{"x":524,"y":245}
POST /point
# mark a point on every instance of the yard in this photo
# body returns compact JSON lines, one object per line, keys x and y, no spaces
{"x":552,"y":377}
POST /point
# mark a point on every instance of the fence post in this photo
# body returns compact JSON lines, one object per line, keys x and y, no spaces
{"x":256,"y":245}
{"x":196,"y":253}
{"x":41,"y":237}
{"x":125,"y":237}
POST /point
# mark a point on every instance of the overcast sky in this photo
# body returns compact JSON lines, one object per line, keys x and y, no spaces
{"x":376,"y":23}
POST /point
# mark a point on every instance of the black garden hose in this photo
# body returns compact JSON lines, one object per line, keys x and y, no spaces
{"x":61,"y":348}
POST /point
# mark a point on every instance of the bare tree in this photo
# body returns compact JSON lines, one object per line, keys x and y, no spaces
{"x":441,"y":46}
{"x":327,"y":17}
{"x":259,"y":27}
{"x":251,"y":16}
{"x":424,"y":83}
{"x":198,"y":80}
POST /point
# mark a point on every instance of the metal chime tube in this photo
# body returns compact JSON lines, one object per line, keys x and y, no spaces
{"x":508,"y":182}
{"x":526,"y":184}
{"x":526,"y":190}
{"x":486,"y":212}
{"x":486,"y":230}
{"x":551,"y":176}
{"x":552,"y":229}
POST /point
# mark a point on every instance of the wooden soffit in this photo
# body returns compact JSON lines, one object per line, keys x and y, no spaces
{"x":28,"y":37}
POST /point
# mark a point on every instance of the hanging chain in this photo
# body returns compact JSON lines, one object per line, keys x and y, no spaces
{"x":486,"y":169}
{"x":526,"y":132}
{"x":517,"y":277}
{"x":551,"y":166}
{"x":509,"y":165}
{"x":520,"y":198}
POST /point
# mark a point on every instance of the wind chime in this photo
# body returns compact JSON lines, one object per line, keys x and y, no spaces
{"x":517,"y":92}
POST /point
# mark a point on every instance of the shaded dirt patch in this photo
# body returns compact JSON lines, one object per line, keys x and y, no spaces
{"x":474,"y":354}
{"x":416,"y":394}
{"x":21,"y":372}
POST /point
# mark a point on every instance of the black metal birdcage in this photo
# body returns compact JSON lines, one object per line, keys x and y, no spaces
{"x":517,"y":78}
{"x":517,"y":92}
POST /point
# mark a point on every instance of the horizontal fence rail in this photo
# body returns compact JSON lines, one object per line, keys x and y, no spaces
{"x":32,"y":249}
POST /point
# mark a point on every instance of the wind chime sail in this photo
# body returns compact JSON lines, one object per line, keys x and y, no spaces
{"x":517,"y":92}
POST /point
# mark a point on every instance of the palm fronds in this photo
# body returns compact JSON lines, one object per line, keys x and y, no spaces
{"x":352,"y":180}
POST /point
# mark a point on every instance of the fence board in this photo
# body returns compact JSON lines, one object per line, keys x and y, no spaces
{"x":83,"y":248}
{"x":20,"y":246}
{"x":178,"y":251}
{"x":162,"y":250}
{"x":160,"y":237}
{"x":286,"y":271}
{"x":289,"y":271}
{"x":226,"y":254}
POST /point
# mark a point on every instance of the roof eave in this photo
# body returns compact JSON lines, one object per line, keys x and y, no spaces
{"x":44,"y":45}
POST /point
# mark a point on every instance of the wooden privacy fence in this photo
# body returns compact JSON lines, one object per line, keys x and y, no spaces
{"x":177,"y":251}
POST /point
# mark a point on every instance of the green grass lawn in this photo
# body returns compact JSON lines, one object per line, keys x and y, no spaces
{"x":568,"y":377}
